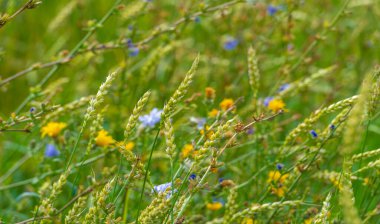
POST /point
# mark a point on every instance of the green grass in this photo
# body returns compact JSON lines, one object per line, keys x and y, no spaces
{"x":60,"y":51}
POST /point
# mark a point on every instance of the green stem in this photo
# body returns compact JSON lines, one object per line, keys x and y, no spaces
{"x":146,"y":175}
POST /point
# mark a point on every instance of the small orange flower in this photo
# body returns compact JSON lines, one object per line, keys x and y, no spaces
{"x":214,"y":206}
{"x":129,"y":146}
{"x":247,"y":221}
{"x":210,"y":93}
{"x":279,"y":191}
{"x":52,"y":129}
{"x":275,"y":176}
{"x":213,"y":113}
{"x":186,"y":150}
{"x":208,"y":132}
{"x":308,"y":221}
{"x":226,"y":104}
{"x":103,"y":139}
{"x":276,"y":105}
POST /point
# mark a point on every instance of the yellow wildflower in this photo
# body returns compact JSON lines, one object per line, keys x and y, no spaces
{"x":186,"y":150}
{"x":214,"y":206}
{"x":279,"y":191}
{"x":308,"y":221}
{"x":103,"y":139}
{"x":129,"y":146}
{"x":226,"y":104}
{"x":366,"y":181}
{"x":336,"y":182}
{"x":210,"y":93}
{"x":247,"y":221}
{"x":52,"y":129}
{"x":208,"y":132}
{"x":276,"y":105}
{"x":275,"y":176}
{"x":213,"y":113}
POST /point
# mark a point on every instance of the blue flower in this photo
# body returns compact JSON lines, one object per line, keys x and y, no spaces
{"x":313,"y":134}
{"x":197,"y":19}
{"x":151,"y":119}
{"x":283,"y":87}
{"x":267,"y":100}
{"x":192,"y":176}
{"x":279,"y":166}
{"x":162,"y":187}
{"x":199,"y":121}
{"x":332,"y":126}
{"x":230,"y":44}
{"x":221,"y":180}
{"x":129,"y":43}
{"x":32,"y":110}
{"x":250,"y":131}
{"x":272,"y":10}
{"x":51,"y":151}
{"x":133,"y":51}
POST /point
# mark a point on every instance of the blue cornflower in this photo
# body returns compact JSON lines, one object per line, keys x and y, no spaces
{"x":279,"y":166}
{"x":129,"y":43}
{"x":162,"y":187}
{"x":199,"y":121}
{"x":267,"y":100}
{"x":197,"y":19}
{"x":313,"y":134}
{"x":283,"y":87}
{"x":250,"y":131}
{"x":332,"y":126}
{"x":231,"y":44}
{"x":51,"y":151}
{"x":151,"y":119}
{"x":272,"y":10}
{"x":133,"y":50}
{"x":192,"y":176}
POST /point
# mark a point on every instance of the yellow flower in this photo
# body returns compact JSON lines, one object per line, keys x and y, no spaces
{"x":103,"y":139}
{"x":52,"y":129}
{"x":208,"y":132}
{"x":214,"y":206}
{"x":366,"y":181}
{"x":129,"y":146}
{"x":336,"y":182}
{"x":213,"y":113}
{"x":226,"y":104}
{"x":247,"y":221}
{"x":275,"y":176}
{"x":308,"y":221}
{"x":280,"y":191}
{"x":210,"y":93}
{"x":186,"y":150}
{"x":276,"y":105}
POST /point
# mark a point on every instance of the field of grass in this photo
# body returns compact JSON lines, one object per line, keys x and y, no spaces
{"x":190,"y":111}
